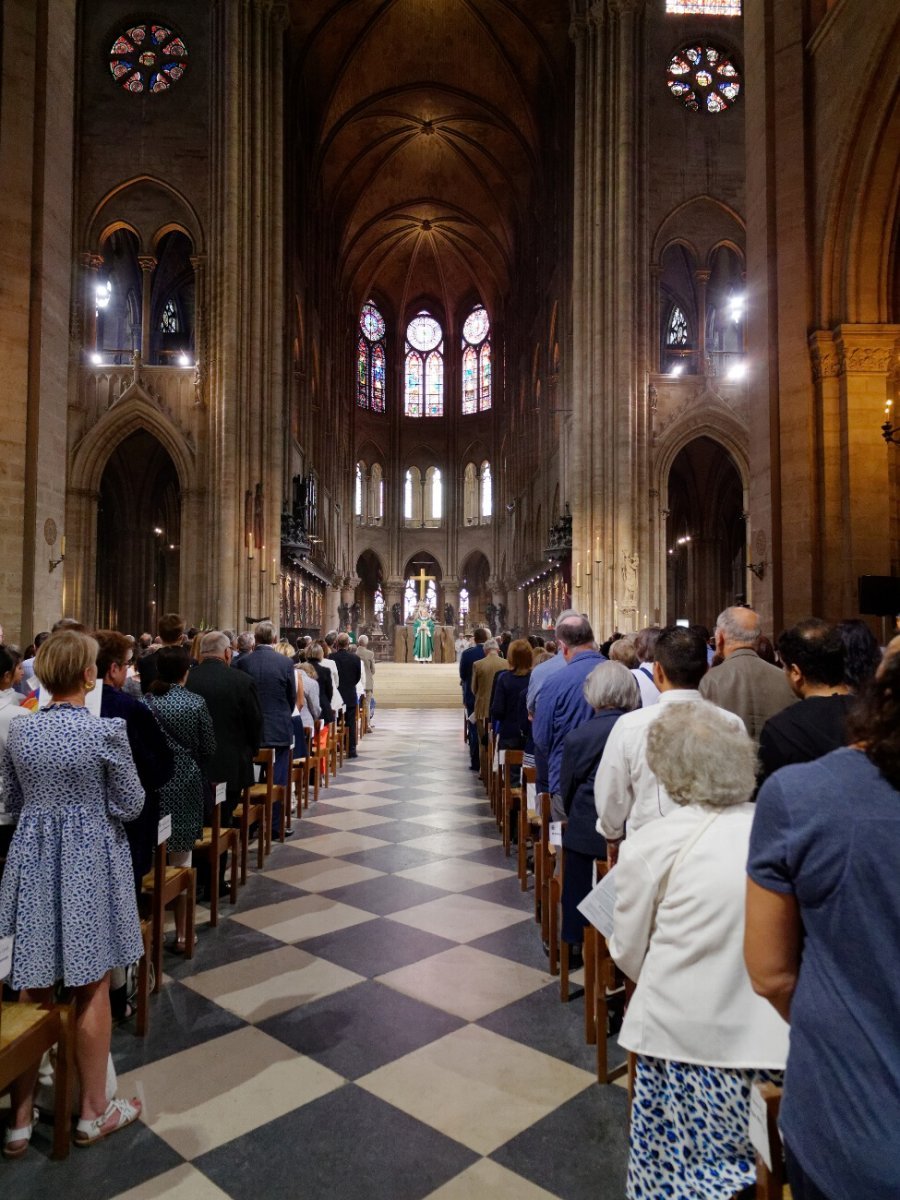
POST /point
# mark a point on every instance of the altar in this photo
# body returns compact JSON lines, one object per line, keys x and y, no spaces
{"x":444,"y":650}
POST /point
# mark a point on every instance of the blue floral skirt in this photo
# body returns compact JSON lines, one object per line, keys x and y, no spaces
{"x":689,"y":1138}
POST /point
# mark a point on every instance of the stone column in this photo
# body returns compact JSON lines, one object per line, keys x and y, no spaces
{"x":451,"y":586}
{"x":245,"y":289}
{"x":91,"y":264}
{"x":147,"y":263}
{"x":610,"y":468}
{"x":701,"y":279}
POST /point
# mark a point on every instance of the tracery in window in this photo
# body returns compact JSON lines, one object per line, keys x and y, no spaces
{"x":168,"y":321}
{"x":370,"y":359}
{"x":677,"y":328}
{"x":704,"y":8}
{"x":424,"y":387}
{"x":476,"y":362}
{"x":463,"y":606}
{"x":702,"y":77}
{"x":147,"y":58}
{"x":378,"y":605}
{"x":358,"y":492}
{"x":434,"y":496}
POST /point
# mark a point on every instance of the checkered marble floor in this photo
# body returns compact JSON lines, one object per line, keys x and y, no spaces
{"x":374,"y":1018}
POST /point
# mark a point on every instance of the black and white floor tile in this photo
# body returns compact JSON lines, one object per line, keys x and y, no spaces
{"x":374,"y":1019}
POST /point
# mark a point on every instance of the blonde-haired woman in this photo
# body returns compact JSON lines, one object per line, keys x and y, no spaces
{"x":67,"y":896}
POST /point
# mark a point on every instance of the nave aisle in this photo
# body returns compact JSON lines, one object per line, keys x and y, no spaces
{"x":373,"y":1020}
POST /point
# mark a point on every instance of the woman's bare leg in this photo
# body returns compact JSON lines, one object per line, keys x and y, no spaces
{"x":93,"y":1033}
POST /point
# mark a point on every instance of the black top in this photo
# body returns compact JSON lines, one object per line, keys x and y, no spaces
{"x":349,"y":669}
{"x":803,"y":732}
{"x":233,"y":703}
{"x":509,"y":712}
{"x":326,"y":691}
{"x":582,"y":750}
{"x":155,"y":765}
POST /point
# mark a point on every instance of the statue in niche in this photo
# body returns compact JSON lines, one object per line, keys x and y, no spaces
{"x":491,"y":615}
{"x":629,"y":580}
{"x":397,"y":613}
{"x":355,"y":614}
{"x":448,"y":614}
{"x":343,"y":617}
{"x":501,"y":616}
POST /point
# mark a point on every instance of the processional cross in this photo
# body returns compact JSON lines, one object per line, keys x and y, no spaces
{"x":421,"y":579}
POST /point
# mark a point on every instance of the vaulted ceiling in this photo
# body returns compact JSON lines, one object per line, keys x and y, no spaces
{"x":434,"y":125}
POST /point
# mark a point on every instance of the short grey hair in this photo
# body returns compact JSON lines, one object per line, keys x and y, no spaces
{"x":491,"y":644}
{"x":700,"y":756}
{"x":343,"y":641}
{"x":362,"y":640}
{"x":314,"y":652}
{"x":214,"y":644}
{"x":265,"y":634}
{"x":612,"y":685}
{"x":245,"y":642}
{"x":735,"y":629}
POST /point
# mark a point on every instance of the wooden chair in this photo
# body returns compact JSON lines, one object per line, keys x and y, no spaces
{"x":543,"y":861}
{"x":27,"y":1032}
{"x":511,"y":797}
{"x":213,"y":843}
{"x":771,"y":1182}
{"x":142,"y":1017}
{"x":300,"y":781}
{"x":529,"y":825}
{"x":331,"y":752}
{"x":316,"y":759}
{"x":255,"y":808}
{"x":340,"y":739}
{"x":549,"y":896}
{"x":601,"y":979}
{"x":166,"y":885}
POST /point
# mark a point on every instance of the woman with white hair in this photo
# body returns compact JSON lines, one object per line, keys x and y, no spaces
{"x":610,"y":690}
{"x":701,"y":1035}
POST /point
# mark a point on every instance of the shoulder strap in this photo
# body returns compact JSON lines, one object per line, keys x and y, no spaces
{"x":649,"y":674}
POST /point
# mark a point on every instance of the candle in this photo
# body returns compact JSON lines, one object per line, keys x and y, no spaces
{"x":578,"y":574}
{"x":274,"y":568}
{"x":597,"y":549}
{"x":250,"y":545}
{"x":62,"y":546}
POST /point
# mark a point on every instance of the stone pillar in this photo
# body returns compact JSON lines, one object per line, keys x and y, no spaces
{"x":701,"y":279}
{"x":609,"y":489}
{"x":91,"y":264}
{"x":451,"y":596}
{"x":147,"y":263}
{"x":332,"y":600}
{"x":245,"y":289}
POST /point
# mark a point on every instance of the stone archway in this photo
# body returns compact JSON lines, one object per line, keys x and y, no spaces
{"x":370,"y":573}
{"x":138,"y":536}
{"x":474,"y":578}
{"x":705,"y":533}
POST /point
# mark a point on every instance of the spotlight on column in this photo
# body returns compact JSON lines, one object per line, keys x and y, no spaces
{"x":737,"y":371}
{"x":678,"y":369}
{"x":97,"y":359}
{"x":184,"y":361}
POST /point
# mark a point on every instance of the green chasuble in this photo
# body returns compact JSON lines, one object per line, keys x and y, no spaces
{"x":424,"y":644}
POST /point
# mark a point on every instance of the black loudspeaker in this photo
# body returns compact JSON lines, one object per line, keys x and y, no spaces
{"x":879,"y":595}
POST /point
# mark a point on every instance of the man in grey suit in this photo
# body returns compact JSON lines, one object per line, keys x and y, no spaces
{"x":276,"y":683}
{"x":744,"y":683}
{"x":367,"y":657}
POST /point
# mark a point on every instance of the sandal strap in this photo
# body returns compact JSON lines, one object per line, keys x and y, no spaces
{"x":20,"y":1135}
{"x":92,"y":1125}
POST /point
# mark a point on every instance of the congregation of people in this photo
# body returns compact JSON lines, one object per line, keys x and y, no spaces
{"x":740,"y":801}
{"x":116,"y":749}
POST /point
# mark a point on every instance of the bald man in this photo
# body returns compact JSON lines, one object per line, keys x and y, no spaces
{"x":743,"y":683}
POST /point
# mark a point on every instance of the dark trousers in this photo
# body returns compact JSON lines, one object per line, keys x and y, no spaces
{"x":802,"y":1187}
{"x":472,"y":730}
{"x":281,"y":778}
{"x":577,"y":882}
{"x":350,"y":719}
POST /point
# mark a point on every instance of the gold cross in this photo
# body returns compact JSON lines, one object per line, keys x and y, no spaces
{"x":421,"y":580}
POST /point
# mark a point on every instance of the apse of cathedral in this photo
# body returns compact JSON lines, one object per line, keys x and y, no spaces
{"x":325,"y":310}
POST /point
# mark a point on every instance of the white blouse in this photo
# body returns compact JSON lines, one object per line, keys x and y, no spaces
{"x":693,"y":1002}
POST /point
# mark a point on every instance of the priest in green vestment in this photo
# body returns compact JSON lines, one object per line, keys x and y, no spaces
{"x":423,"y":629}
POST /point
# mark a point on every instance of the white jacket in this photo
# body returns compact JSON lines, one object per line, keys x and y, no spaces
{"x":693,"y":1001}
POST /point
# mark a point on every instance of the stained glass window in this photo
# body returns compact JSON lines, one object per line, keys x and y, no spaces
{"x":704,"y":8}
{"x":424,"y":390}
{"x":677,"y":330}
{"x":378,"y":606}
{"x":476,"y":362}
{"x":358,"y":492}
{"x":370,"y":359}
{"x":147,"y":58}
{"x":168,"y":322}
{"x":703,"y":78}
{"x":463,"y":606}
{"x":487,"y":496}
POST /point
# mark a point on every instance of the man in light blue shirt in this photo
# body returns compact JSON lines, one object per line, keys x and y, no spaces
{"x":561,"y":706}
{"x":542,"y":673}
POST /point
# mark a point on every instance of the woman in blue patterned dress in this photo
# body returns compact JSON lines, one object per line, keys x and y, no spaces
{"x":188,"y":727}
{"x":701,"y":1035}
{"x":67,"y":896}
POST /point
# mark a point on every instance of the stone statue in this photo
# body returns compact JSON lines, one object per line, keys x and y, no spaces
{"x":501,"y":616}
{"x":491,"y":615}
{"x":343,"y":617}
{"x":397,"y":613}
{"x":355,"y":614}
{"x":629,"y":580}
{"x":448,"y":614}
{"x":423,"y":627}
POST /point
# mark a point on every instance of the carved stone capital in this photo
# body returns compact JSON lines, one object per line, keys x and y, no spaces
{"x":147,"y":262}
{"x":626,"y":7}
{"x":868,"y":350}
{"x":823,"y":355}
